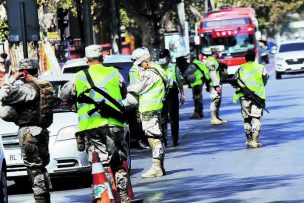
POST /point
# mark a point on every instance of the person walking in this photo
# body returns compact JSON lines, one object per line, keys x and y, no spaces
{"x":151,"y":92}
{"x":99,"y":92}
{"x":172,"y":100}
{"x":215,"y":87}
{"x":32,"y":102}
{"x":252,"y":76}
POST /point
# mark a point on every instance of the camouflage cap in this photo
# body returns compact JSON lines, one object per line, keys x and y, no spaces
{"x":27,"y":64}
{"x":139,"y":55}
{"x":93,"y":51}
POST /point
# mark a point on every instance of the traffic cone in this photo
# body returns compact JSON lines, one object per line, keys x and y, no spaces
{"x":101,"y":189}
{"x":113,"y":186}
{"x":129,"y":188}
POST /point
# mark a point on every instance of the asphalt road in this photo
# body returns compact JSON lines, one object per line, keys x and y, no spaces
{"x":212,"y":164}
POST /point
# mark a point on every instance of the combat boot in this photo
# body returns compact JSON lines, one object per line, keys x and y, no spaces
{"x":218,"y":117}
{"x":124,"y":198}
{"x":43,"y":198}
{"x":195,"y":115}
{"x":155,"y":170}
{"x":215,"y":120}
{"x":255,"y":137}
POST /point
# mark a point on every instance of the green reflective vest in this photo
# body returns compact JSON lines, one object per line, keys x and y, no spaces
{"x":105,"y":78}
{"x":134,"y":75}
{"x":171,"y":74}
{"x":152,"y":100}
{"x":203,"y":68}
{"x":216,"y":64}
{"x":251,"y":73}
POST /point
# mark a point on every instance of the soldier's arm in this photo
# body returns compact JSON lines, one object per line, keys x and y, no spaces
{"x":12,"y":93}
{"x":123,"y":87}
{"x":213,"y":76}
{"x":180,"y":81}
{"x":265,"y":76}
{"x":68,"y":92}
{"x":139,"y":87}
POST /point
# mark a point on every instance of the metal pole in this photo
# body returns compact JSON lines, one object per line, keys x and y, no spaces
{"x":115,"y":28}
{"x":23,"y":28}
{"x":87,"y":21}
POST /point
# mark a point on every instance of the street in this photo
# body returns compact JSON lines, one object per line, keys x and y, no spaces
{"x":212,"y":164}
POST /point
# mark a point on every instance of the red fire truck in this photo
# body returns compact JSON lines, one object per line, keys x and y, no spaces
{"x":232,"y":30}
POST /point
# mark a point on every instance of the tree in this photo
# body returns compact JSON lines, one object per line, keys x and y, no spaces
{"x":148,"y":15}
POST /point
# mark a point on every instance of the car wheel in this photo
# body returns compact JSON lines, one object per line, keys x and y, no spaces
{"x":3,"y":187}
{"x":278,"y":75}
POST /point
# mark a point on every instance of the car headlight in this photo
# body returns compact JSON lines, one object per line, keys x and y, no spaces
{"x":67,"y":133}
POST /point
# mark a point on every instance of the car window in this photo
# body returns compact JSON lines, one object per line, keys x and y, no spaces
{"x":123,"y":69}
{"x":59,"y":106}
{"x":292,"y":47}
{"x":74,"y":69}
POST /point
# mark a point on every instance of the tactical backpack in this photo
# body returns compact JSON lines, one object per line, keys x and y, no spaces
{"x":45,"y":103}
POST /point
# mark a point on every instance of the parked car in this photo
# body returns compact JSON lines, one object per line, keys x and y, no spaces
{"x":65,"y":159}
{"x":289,"y":58}
{"x":3,"y":182}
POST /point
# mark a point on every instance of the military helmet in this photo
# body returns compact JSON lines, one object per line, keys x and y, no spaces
{"x":164,"y":53}
{"x":27,"y":64}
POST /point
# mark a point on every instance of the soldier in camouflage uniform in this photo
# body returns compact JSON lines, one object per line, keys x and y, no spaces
{"x":98,"y":133}
{"x":151,"y":91}
{"x":255,"y":77}
{"x":215,"y":87}
{"x":33,"y":103}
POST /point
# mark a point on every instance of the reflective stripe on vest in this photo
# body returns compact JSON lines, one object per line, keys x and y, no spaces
{"x":105,"y":78}
{"x":152,"y":100}
{"x":134,"y":75}
{"x":171,"y":73}
{"x":251,"y":73}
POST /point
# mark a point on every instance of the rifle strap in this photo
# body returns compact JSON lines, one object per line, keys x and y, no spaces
{"x":103,"y":93}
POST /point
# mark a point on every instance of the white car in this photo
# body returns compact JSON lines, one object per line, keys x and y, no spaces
{"x":3,"y":183}
{"x":65,"y":159}
{"x":289,"y":58}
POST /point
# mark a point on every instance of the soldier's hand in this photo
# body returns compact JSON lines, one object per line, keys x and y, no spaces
{"x":182,"y":99}
{"x":17,"y":75}
{"x":218,"y":90}
{"x":81,"y":147}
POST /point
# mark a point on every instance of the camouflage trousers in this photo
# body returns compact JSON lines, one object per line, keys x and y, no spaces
{"x":151,"y":123}
{"x":198,"y":98}
{"x":109,"y":142}
{"x":251,"y":115}
{"x":216,"y":100}
{"x":34,"y":143}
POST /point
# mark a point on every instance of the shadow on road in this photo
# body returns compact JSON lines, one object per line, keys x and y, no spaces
{"x":194,"y":189}
{"x":59,"y":184}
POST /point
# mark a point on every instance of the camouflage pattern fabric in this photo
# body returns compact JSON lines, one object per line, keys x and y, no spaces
{"x":151,"y":123}
{"x":109,"y":143}
{"x":34,"y":143}
{"x":252,"y":116}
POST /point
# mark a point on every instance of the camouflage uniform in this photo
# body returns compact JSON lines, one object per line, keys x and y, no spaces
{"x":34,"y":138}
{"x":108,"y":141}
{"x":151,"y":120}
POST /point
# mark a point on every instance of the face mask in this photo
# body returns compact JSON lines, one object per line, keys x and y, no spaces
{"x":162,"y":61}
{"x":220,"y":55}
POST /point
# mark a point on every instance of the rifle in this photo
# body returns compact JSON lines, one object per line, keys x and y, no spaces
{"x":102,"y":108}
{"x":250,"y":95}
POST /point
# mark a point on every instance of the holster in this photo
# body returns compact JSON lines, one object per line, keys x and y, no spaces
{"x":80,"y":139}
